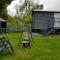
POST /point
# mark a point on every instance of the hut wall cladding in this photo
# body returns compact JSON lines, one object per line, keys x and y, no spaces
{"x":57,"y":20}
{"x":42,"y":20}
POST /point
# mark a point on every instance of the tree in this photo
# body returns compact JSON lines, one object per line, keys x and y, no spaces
{"x":27,"y":7}
{"x":3,"y":5}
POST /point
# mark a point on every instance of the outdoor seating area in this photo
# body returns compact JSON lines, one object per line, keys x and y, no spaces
{"x":5,"y":44}
{"x":29,"y":30}
{"x":25,"y":40}
{"x":41,"y":46}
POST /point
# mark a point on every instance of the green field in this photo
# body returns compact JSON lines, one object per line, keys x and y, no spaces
{"x":42,"y":48}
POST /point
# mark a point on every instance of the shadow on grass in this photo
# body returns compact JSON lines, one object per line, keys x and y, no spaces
{"x":4,"y":54}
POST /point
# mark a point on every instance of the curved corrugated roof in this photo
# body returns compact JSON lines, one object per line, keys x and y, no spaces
{"x":2,"y":20}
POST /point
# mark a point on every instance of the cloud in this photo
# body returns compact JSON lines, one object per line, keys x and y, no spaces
{"x":11,"y":7}
{"x":51,"y":4}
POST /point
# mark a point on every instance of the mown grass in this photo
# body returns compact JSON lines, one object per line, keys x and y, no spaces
{"x":42,"y":48}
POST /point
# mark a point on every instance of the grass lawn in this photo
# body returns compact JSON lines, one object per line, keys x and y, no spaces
{"x":42,"y":48}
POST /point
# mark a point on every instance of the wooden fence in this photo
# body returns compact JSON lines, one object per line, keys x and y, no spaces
{"x":14,"y":29}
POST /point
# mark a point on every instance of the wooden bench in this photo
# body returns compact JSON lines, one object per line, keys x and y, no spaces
{"x":25,"y":42}
{"x":5,"y":44}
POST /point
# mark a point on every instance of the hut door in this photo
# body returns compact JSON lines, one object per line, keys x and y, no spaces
{"x":3,"y":25}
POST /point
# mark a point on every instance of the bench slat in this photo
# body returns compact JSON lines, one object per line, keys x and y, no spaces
{"x":4,"y":47}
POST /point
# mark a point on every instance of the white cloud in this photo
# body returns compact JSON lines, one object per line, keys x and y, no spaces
{"x":11,"y":7}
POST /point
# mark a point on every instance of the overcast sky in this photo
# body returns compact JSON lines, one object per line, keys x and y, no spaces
{"x":51,"y":4}
{"x":48,"y":5}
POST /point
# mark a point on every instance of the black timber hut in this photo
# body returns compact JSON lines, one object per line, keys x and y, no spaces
{"x":45,"y":21}
{"x":3,"y":25}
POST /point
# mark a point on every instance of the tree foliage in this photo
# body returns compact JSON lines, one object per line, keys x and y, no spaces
{"x":24,"y":13}
{"x":25,"y":10}
{"x":3,"y":6}
{"x":26,"y":7}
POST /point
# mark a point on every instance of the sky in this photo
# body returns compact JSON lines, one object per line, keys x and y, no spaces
{"x":51,"y":4}
{"x":48,"y":5}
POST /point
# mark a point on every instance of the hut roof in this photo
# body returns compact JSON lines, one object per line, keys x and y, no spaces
{"x":2,"y":20}
{"x":46,"y":11}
